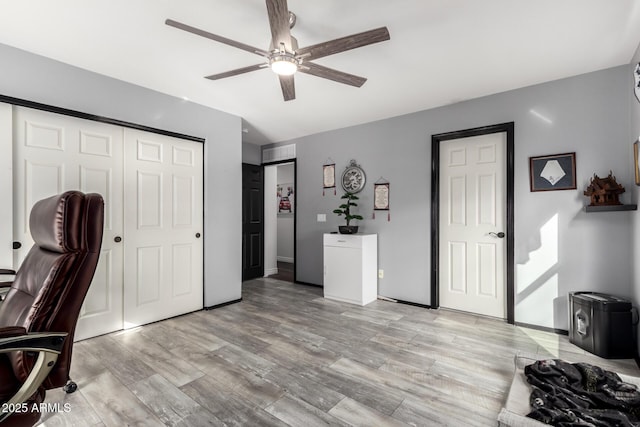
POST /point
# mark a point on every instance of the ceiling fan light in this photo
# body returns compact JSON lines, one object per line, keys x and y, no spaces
{"x":284,"y":65}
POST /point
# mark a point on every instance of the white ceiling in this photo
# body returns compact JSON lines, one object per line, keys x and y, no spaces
{"x":440,"y":52}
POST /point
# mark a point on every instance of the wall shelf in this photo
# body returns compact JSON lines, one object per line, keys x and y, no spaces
{"x":611,"y":208}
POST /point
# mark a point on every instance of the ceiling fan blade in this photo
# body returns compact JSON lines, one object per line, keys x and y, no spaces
{"x":331,"y":74}
{"x":342,"y":44}
{"x":219,"y":39}
{"x":288,"y":87}
{"x":279,"y":23}
{"x":236,"y":72}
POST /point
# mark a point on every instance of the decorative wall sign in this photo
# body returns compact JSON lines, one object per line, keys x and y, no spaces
{"x":353,"y":178}
{"x":329,"y":176}
{"x":554,"y":172}
{"x":381,"y":197}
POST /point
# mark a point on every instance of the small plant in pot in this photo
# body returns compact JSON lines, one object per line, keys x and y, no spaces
{"x":345,"y":209}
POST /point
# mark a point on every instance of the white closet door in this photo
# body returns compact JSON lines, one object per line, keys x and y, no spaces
{"x":55,"y":153}
{"x":163,"y":227}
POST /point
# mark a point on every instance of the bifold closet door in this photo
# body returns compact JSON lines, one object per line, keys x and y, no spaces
{"x":163,"y":227}
{"x":54,"y":153}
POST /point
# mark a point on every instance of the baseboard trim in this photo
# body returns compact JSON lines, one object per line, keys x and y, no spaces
{"x":542,"y":328}
{"x":297,"y":282}
{"x":414,"y":304}
{"x":285,"y":259}
{"x":270,"y":272}
{"x":223,"y":304}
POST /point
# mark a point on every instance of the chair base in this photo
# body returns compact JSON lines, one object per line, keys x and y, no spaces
{"x":70,"y":387}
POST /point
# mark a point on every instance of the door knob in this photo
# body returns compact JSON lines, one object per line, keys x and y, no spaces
{"x":117,"y":239}
{"x":17,"y":245}
{"x":499,"y":235}
{"x":197,"y":235}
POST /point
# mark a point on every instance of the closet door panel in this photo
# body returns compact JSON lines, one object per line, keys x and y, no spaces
{"x":163,"y":217}
{"x":55,"y":153}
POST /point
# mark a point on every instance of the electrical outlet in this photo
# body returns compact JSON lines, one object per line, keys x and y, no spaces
{"x":380,"y":274}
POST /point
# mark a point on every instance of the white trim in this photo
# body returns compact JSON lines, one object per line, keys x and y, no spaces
{"x":284,"y":259}
{"x":270,"y":272}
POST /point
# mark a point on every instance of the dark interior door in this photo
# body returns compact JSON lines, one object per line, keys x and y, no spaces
{"x":252,"y":221}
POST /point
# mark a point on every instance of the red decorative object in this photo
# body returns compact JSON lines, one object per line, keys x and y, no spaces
{"x":604,"y":191}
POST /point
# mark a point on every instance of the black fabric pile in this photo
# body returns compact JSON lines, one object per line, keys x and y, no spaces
{"x":579,"y":394}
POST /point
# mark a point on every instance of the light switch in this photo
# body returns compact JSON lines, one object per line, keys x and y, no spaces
{"x":322,"y":217}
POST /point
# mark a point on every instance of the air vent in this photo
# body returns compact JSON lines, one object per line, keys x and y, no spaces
{"x":276,"y":154}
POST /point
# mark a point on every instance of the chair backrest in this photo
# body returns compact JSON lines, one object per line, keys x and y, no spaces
{"x":53,"y":280}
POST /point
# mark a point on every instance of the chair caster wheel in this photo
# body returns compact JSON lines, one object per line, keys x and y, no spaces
{"x":70,"y":387}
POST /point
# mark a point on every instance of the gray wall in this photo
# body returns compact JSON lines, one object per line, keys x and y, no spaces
{"x":251,"y":153}
{"x":36,"y":78}
{"x":559,"y":247}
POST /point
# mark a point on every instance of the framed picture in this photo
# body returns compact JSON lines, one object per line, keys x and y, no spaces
{"x":635,"y":161}
{"x":554,"y":172}
{"x":284,"y":193}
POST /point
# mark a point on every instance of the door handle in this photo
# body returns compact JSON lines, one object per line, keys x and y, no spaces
{"x":499,"y":235}
{"x":17,"y":245}
{"x":117,"y":239}
{"x":197,"y":235}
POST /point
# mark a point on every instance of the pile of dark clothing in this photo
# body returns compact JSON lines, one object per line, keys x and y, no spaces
{"x":579,"y":394}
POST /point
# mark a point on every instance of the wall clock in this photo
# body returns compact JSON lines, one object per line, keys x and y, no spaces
{"x":353,"y":178}
{"x":636,"y":79}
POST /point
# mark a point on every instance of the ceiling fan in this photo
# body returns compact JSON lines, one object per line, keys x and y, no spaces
{"x":285,"y":58}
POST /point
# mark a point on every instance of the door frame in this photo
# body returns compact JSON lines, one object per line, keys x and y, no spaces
{"x":508,"y":128}
{"x":295,"y":210}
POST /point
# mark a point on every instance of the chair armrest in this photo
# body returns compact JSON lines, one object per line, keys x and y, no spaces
{"x":11,"y":340}
{"x":47,"y":345}
{"x":5,"y":284}
{"x":12,"y":331}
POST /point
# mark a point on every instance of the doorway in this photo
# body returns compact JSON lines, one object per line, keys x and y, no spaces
{"x":280,"y":220}
{"x":472,"y":221}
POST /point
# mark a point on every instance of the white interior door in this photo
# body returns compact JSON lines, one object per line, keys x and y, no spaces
{"x":163,"y":227}
{"x":472,"y":213}
{"x":55,"y":153}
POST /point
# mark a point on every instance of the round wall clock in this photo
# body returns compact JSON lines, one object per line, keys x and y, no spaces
{"x":353,"y":178}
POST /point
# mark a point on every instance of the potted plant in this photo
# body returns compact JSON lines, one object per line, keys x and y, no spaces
{"x":345,"y":209}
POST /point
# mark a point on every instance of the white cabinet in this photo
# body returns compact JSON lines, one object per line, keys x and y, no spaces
{"x":351,"y":267}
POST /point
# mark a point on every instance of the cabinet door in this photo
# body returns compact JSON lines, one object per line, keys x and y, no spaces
{"x":343,"y":274}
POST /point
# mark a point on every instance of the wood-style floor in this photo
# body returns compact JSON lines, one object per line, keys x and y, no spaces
{"x":286,"y":356}
{"x":285,"y":272}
